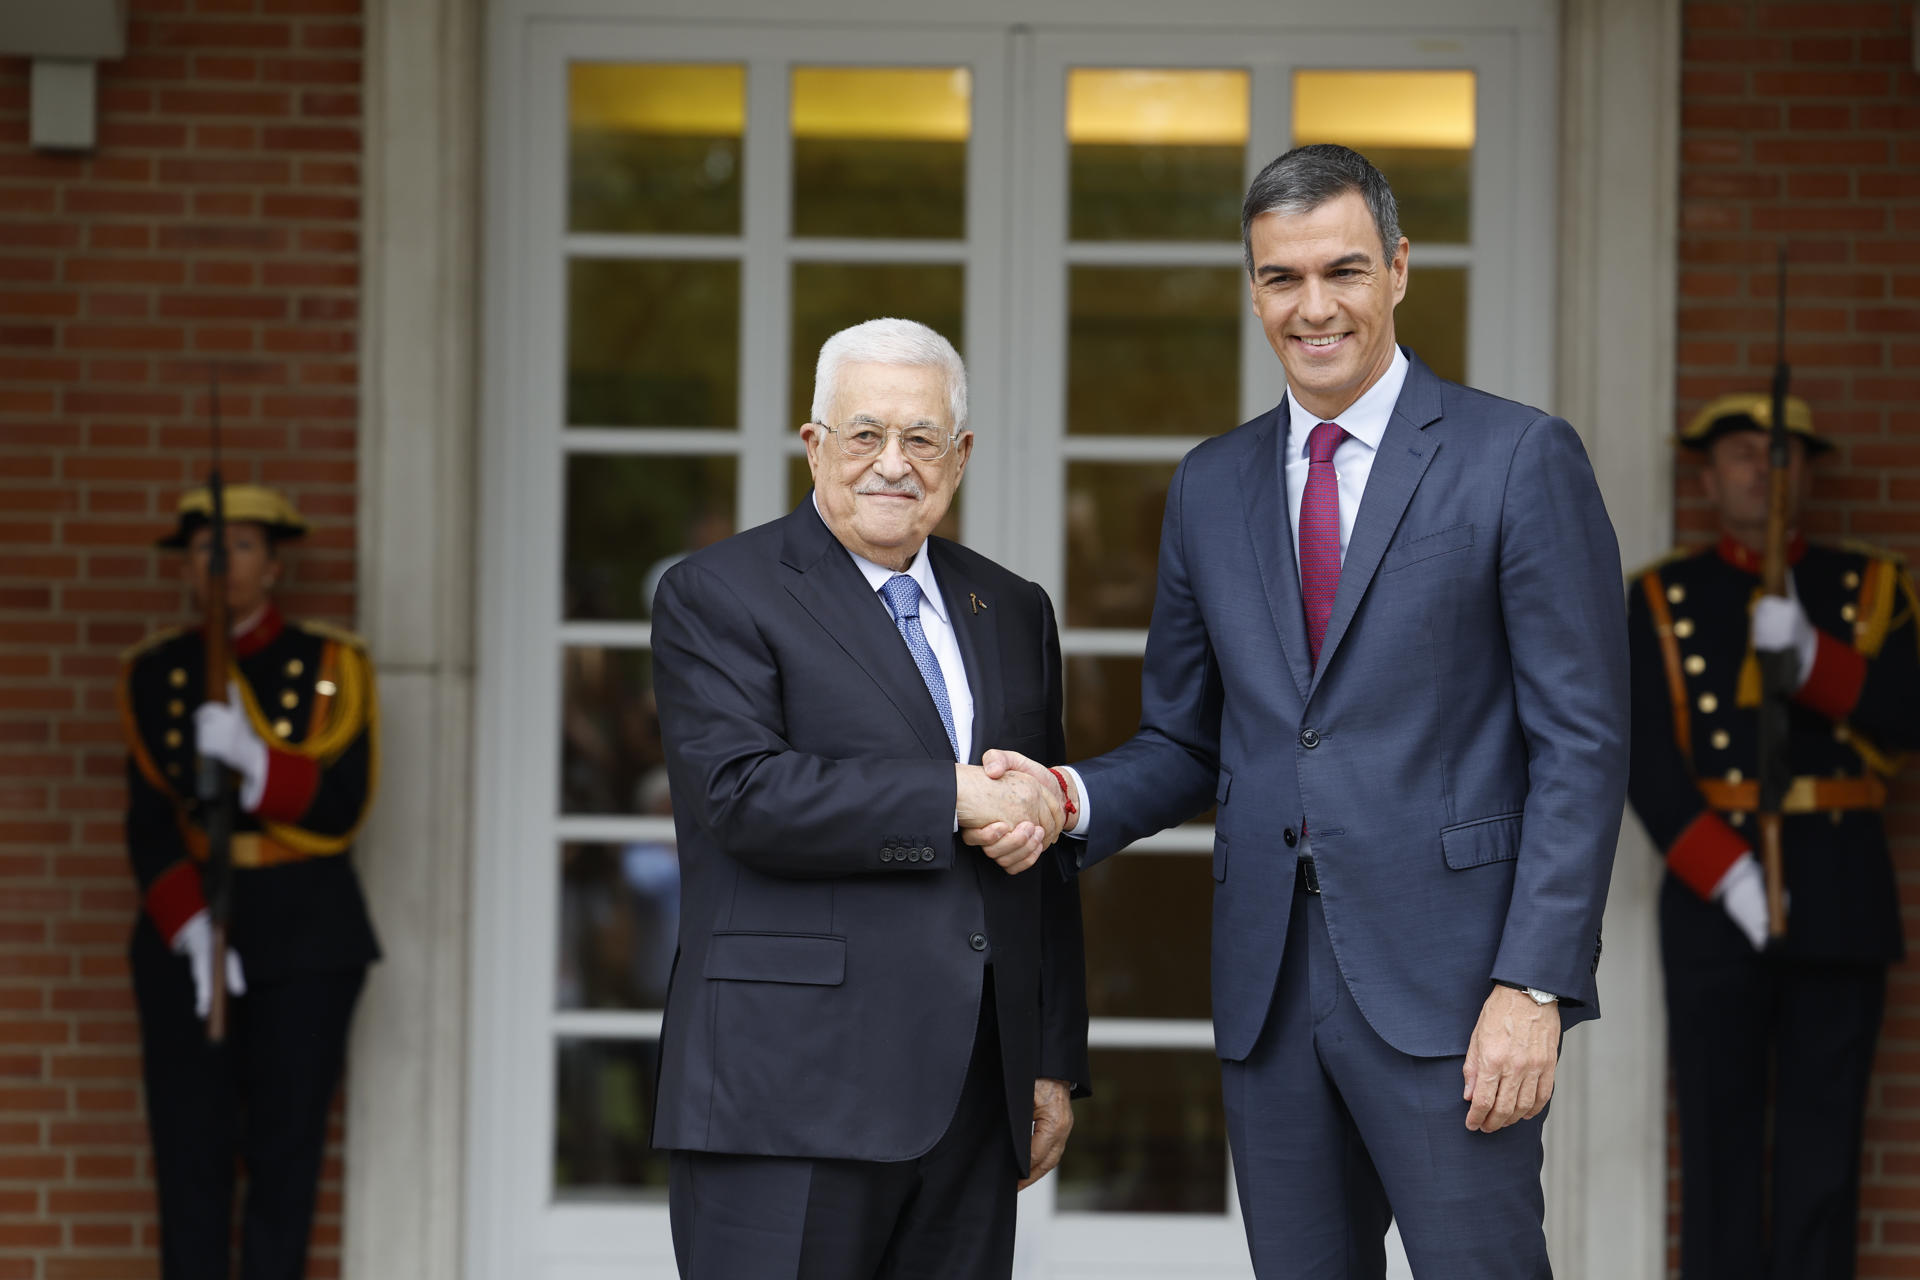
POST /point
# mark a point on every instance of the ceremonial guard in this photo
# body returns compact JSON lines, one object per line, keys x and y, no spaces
{"x":1805,"y":1008}
{"x":296,"y":727}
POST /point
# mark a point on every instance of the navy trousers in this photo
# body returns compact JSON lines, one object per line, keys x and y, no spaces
{"x":264,"y":1095}
{"x":1335,"y":1134}
{"x":949,"y":1215}
{"x":1732,"y":1022}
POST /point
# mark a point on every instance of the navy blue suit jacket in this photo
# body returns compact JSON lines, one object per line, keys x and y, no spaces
{"x":834,"y":930}
{"x":1460,"y":754}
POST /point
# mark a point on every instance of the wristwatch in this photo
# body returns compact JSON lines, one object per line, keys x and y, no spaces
{"x":1541,"y":997}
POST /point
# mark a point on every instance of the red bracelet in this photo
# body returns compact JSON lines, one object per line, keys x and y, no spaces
{"x":1066,"y":795}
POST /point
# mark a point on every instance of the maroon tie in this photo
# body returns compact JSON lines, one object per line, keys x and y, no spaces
{"x":1320,"y":533}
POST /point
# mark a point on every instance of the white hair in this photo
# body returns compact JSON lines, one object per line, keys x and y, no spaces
{"x":889,"y":341}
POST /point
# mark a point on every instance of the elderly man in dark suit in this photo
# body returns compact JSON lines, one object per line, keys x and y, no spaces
{"x":873,"y":1030}
{"x":1388,"y":642}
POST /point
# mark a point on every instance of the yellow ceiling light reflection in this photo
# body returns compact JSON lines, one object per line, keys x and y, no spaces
{"x":1138,"y":107}
{"x":925,"y":104}
{"x":1362,"y":109}
{"x":702,"y":100}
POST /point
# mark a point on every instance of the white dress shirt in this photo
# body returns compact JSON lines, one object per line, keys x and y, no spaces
{"x":940,"y":637}
{"x":1365,"y":422}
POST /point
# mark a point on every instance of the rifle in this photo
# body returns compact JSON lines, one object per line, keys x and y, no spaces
{"x":1779,"y":670}
{"x":213,"y":781}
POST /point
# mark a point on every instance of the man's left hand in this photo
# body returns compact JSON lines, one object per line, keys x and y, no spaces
{"x":1052,"y":1122}
{"x":1510,"y":1060}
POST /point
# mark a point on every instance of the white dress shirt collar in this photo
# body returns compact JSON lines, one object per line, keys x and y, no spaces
{"x":921,"y":571}
{"x":1365,"y":419}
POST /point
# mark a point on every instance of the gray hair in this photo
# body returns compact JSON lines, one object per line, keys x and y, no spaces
{"x":1306,"y":178}
{"x":889,"y":341}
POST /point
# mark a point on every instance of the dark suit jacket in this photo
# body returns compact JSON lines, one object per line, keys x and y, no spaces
{"x":834,"y":930}
{"x":1459,"y":754}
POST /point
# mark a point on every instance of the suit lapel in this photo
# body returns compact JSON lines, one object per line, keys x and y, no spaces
{"x":1405,"y":453}
{"x":830,"y":587}
{"x":978,"y":633}
{"x":1263,"y":487}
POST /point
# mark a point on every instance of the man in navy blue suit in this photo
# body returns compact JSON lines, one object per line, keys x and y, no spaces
{"x":1389,"y":642}
{"x":872,"y":1031}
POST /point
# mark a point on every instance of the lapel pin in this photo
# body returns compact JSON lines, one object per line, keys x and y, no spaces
{"x":978,"y":603}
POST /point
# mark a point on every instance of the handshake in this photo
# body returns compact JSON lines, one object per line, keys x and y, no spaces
{"x":1011,"y":808}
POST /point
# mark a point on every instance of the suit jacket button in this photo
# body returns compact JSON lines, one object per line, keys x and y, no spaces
{"x":977,"y":941}
{"x":1309,"y":738}
{"x":913,"y":855}
{"x":1289,"y":836}
{"x":886,"y":855}
{"x":926,"y":855}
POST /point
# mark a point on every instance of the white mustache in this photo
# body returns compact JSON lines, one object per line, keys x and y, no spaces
{"x":910,"y":489}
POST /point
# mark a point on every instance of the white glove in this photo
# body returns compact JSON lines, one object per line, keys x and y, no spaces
{"x":1742,"y":894}
{"x":195,"y":942}
{"x":221,"y":731}
{"x":1780,"y":623}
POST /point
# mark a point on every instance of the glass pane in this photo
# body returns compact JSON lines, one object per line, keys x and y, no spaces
{"x":829,"y":296}
{"x":611,"y":760}
{"x":653,"y":344}
{"x":630,"y":518}
{"x":602,"y":1120}
{"x":1148,"y":917}
{"x":1432,"y":318}
{"x":654,"y":147}
{"x":881,"y":151}
{"x":800,"y":483}
{"x":1154,"y":350}
{"x":1416,"y":126}
{"x":1152,"y":1139}
{"x":619,"y":920}
{"x":1113,"y":541}
{"x":1103,"y":703}
{"x":1155,"y":155}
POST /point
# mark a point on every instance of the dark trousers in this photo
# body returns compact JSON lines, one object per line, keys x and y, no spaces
{"x":1729,"y":1023}
{"x":263,"y":1095}
{"x":947,"y":1215}
{"x":1335,"y":1133}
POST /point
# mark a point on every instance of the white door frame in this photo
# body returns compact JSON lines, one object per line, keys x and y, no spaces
{"x":416,"y":1168}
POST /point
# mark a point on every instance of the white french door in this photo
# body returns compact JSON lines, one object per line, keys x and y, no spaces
{"x":680,"y":215}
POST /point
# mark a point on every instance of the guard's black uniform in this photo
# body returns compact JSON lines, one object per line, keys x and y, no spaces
{"x":1812,"y":1010}
{"x":299,"y":924}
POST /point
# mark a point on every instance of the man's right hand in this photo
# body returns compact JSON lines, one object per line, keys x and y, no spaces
{"x":1025,"y":815}
{"x":194,"y":940}
{"x":1003,"y":841}
{"x":1742,"y":894}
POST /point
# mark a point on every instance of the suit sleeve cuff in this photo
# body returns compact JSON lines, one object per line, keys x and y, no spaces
{"x":1833,"y":686}
{"x":1704,"y":851}
{"x":292,"y":780}
{"x":175,"y":898}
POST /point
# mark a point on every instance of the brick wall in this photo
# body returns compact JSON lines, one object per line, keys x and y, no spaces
{"x":216,"y":222}
{"x":1800,"y":123}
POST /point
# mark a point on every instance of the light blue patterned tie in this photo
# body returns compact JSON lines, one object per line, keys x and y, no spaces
{"x":903,"y":602}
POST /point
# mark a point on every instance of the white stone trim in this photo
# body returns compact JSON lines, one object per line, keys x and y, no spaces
{"x":1619,"y":178}
{"x":407,"y":1069}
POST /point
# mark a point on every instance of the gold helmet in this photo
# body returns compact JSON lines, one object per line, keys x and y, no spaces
{"x":243,"y":503}
{"x":1750,"y":411}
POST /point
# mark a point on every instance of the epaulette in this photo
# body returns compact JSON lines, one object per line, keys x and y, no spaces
{"x":331,"y":632}
{"x":153,"y":641}
{"x":1870,"y":550}
{"x":1678,"y":553}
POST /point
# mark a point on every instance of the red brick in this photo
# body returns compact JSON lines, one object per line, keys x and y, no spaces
{"x":1820,"y":151}
{"x":223,"y":35}
{"x":250,"y":103}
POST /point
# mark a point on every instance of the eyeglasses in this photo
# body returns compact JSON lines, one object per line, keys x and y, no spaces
{"x":869,"y":440}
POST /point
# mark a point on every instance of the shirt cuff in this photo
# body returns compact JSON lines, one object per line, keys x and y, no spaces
{"x":1833,"y":686}
{"x":1082,"y":821}
{"x":175,"y":898}
{"x":289,"y":786}
{"x":1703,"y":853}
